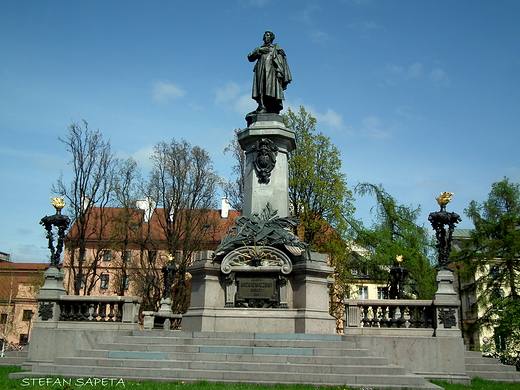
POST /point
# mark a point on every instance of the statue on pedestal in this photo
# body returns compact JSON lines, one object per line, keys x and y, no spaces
{"x":272,"y":75}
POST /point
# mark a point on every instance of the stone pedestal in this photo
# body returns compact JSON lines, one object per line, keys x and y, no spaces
{"x":307,"y":301}
{"x":276,"y":190}
{"x":447,"y":306}
{"x":48,"y":308}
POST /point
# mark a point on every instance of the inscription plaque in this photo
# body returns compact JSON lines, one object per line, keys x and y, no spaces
{"x":257,"y":292}
{"x":257,"y":288}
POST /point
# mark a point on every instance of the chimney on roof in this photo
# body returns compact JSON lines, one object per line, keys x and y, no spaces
{"x":226,"y":206}
{"x":148,"y":205}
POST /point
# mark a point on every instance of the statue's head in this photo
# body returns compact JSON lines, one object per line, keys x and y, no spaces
{"x":268,"y":36}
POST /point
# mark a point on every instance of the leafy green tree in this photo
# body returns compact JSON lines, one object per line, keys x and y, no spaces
{"x":492,"y":258}
{"x":396,"y":232}
{"x":318,"y":192}
{"x":320,"y":198}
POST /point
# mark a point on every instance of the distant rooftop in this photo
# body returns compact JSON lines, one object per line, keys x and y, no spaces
{"x":5,"y":256}
{"x":462,"y":233}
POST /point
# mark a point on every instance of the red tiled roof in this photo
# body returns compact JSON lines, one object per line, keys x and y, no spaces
{"x":106,"y":224}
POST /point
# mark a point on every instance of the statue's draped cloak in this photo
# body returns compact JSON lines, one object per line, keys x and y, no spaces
{"x":272,"y":73}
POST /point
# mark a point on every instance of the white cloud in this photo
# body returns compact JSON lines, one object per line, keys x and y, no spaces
{"x":318,"y":36}
{"x":331,"y":118}
{"x":229,"y":93}
{"x":232,"y":96}
{"x":415,"y":71}
{"x":164,"y":92}
{"x":439,"y":77}
{"x":142,"y":156}
{"x":372,"y":127}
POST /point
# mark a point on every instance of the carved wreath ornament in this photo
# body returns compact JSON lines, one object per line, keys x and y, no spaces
{"x":256,"y":258}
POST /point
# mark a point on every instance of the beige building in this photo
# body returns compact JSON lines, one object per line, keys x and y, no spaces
{"x":475,"y":337}
{"x":19,"y":284}
{"x":124,"y":253}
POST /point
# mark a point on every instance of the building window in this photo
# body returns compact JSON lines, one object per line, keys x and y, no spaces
{"x":382,"y":293}
{"x":494,"y":271}
{"x":24,"y":338}
{"x":126,"y":282}
{"x":27,"y":315}
{"x":104,"y":281}
{"x":107,"y":255}
{"x":3,"y":318}
{"x":152,"y":255}
{"x":362,"y":292}
{"x":127,"y":256}
{"x":497,"y":299}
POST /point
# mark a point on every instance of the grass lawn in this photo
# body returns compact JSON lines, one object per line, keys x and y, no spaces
{"x":49,"y":383}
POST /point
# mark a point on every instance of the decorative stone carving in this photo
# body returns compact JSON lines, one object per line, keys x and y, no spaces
{"x":265,"y":152}
{"x":45,"y":310}
{"x":447,"y":317}
{"x":256,"y":259}
{"x":264,"y":229}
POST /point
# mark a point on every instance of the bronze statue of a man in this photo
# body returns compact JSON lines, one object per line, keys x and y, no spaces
{"x":272,"y":75}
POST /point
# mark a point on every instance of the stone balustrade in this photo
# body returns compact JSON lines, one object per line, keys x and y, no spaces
{"x":400,"y":314}
{"x":100,"y":309}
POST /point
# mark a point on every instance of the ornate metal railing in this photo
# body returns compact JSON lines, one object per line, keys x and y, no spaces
{"x":390,"y":313}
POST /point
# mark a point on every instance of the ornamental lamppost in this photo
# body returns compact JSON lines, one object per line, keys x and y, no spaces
{"x":61,"y":223}
{"x":397,"y":278}
{"x":53,"y":287}
{"x":446,"y":300}
{"x":443,"y":223}
{"x":168,"y":272}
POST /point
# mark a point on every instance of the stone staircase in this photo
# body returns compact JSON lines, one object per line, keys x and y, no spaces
{"x":14,"y":358}
{"x":234,"y":357}
{"x":489,"y":368}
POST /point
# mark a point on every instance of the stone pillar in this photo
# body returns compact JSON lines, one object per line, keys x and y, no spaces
{"x":48,"y":307}
{"x":274,"y":188}
{"x":447,"y":306}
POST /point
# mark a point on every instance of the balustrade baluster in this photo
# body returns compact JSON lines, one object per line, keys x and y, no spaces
{"x":365,"y":320}
{"x":401,"y":321}
{"x":383,"y":320}
{"x":111,"y":314}
{"x":392,"y":321}
{"x":119,"y":313}
{"x":102,"y":311}
{"x":374,"y":319}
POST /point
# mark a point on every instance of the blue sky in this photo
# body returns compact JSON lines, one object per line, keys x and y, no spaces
{"x":421,"y":96}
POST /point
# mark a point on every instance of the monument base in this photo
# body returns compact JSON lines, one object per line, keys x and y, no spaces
{"x":307,"y":301}
{"x":238,"y":320}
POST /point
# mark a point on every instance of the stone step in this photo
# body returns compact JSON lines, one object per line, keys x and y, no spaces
{"x":138,"y":362}
{"x":489,"y":368}
{"x":235,"y":342}
{"x":495,"y":376}
{"x":397,"y":381}
{"x":234,"y":336}
{"x":14,"y":358}
{"x":233,"y":349}
{"x":280,"y":359}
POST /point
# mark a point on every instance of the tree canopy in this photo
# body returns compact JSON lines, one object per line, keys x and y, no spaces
{"x":318,"y":192}
{"x":492,"y":259}
{"x":396,"y":232}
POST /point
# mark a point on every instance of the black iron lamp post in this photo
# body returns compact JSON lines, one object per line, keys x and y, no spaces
{"x":397,"y":278}
{"x":61,"y":223}
{"x":169,"y":272}
{"x":444,"y":222}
